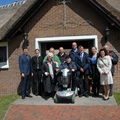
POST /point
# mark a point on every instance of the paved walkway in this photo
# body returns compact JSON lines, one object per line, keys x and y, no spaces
{"x":83,"y":101}
{"x":37,"y":108}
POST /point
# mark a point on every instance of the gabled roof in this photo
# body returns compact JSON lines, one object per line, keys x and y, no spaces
{"x":111,"y":6}
{"x":107,"y":10}
{"x":7,"y":11}
{"x":21,"y":16}
{"x":11,"y":23}
{"x":115,"y":4}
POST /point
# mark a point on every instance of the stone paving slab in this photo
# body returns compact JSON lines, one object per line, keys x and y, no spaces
{"x":79,"y":101}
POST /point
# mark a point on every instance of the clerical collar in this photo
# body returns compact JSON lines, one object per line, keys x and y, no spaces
{"x":37,"y":55}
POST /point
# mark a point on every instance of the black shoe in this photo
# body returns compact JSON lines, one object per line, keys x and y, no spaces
{"x":36,"y":94}
{"x":29,"y":96}
{"x":94,"y":95}
{"x":53,"y":94}
{"x":40,"y":94}
{"x":23,"y":96}
{"x":97,"y":95}
{"x":86,"y":95}
{"x":80,"y":95}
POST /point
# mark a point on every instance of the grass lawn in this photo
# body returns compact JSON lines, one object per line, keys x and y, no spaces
{"x":117,"y":98}
{"x":5,"y":102}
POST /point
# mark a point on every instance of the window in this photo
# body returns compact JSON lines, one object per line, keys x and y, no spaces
{"x":4,"y":55}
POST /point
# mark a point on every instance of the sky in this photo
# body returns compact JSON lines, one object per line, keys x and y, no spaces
{"x":6,"y":2}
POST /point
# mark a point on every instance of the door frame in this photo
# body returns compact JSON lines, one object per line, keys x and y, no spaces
{"x":38,"y":41}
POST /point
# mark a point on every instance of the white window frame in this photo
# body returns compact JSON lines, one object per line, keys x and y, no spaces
{"x":38,"y":41}
{"x":4,"y":65}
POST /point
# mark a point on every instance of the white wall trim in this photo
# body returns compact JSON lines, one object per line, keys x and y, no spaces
{"x":68,"y":38}
{"x":4,"y":65}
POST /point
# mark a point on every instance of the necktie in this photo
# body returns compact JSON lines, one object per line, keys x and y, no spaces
{"x":27,"y":57}
{"x":37,"y":62}
{"x":81,"y":57}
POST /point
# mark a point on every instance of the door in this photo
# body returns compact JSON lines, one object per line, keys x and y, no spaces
{"x":45,"y":46}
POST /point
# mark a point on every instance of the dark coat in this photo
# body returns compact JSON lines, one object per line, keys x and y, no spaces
{"x":25,"y":64}
{"x":47,"y":80}
{"x":62,"y":58}
{"x":73,"y":54}
{"x":34,"y":62}
{"x":85,"y":64}
{"x":68,"y":66}
{"x":114,"y":61}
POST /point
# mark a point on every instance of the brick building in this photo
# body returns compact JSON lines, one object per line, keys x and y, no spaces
{"x":55,"y":23}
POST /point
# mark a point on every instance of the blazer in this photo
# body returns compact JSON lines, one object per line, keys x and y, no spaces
{"x":34,"y":63}
{"x":63,"y":57}
{"x":85,"y":63}
{"x":114,"y":61}
{"x":25,"y":64}
{"x":68,"y":66}
{"x":73,"y":54}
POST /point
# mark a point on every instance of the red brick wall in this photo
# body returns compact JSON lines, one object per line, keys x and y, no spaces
{"x":48,"y":22}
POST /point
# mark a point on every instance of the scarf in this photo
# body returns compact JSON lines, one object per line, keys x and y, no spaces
{"x":50,"y":69}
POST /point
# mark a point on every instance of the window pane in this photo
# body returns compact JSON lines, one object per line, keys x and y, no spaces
{"x":3,"y":54}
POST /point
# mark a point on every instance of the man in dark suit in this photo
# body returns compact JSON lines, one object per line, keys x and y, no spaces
{"x":73,"y":53}
{"x":26,"y":72}
{"x":62,"y":55}
{"x":37,"y":61}
{"x":82,"y":63}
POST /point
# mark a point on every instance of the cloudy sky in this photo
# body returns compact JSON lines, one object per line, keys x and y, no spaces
{"x":5,"y":2}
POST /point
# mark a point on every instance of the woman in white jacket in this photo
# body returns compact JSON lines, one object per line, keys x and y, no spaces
{"x":104,"y":65}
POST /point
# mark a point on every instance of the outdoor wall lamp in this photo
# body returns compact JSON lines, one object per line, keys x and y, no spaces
{"x":25,"y":37}
{"x":107,"y":33}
